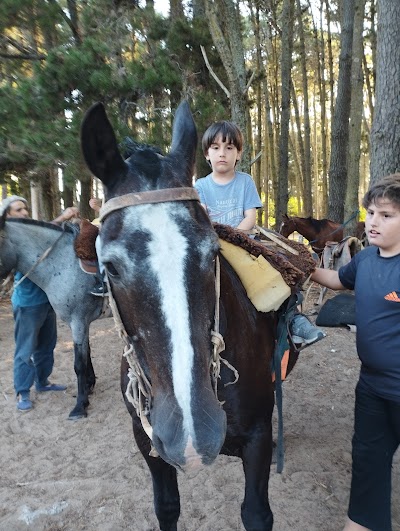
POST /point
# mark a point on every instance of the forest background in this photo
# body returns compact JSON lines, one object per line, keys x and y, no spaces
{"x":313,"y":84}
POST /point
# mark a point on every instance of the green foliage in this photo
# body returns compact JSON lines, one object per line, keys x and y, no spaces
{"x":293,"y":207}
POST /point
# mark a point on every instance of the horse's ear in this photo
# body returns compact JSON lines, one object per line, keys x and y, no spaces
{"x":100,"y":147}
{"x":285,"y":217}
{"x":184,"y":137}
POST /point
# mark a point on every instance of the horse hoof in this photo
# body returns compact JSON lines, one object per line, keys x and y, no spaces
{"x":77,"y":414}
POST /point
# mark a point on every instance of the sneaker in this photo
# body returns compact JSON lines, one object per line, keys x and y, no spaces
{"x":24,"y":404}
{"x":50,"y":387}
{"x":304,"y":332}
{"x":100,"y":290}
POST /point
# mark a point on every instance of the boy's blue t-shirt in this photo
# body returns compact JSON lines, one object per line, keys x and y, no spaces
{"x":376,"y":283}
{"x":27,"y":293}
{"x":226,"y":203}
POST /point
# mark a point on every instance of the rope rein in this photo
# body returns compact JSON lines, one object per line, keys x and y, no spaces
{"x":216,"y":338}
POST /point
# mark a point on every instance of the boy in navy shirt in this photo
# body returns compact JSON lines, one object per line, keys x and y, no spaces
{"x":374,"y":274}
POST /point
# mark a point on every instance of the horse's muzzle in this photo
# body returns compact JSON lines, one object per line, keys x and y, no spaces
{"x":188,"y":442}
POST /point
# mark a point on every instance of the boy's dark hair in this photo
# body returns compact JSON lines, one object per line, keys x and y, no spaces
{"x":229,"y":132}
{"x":386,"y":188}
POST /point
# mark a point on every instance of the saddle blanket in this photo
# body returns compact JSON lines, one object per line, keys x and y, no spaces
{"x":264,"y":285}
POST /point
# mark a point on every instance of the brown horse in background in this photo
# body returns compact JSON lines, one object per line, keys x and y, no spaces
{"x":317,"y":231}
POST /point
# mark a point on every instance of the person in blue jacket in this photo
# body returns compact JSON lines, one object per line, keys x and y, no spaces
{"x":374,"y":275}
{"x":35,"y":330}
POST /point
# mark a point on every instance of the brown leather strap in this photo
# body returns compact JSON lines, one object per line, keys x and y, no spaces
{"x":152,"y":196}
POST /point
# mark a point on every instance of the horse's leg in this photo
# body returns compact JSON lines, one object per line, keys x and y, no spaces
{"x":257,"y":454}
{"x":90,"y":375}
{"x":81,"y":351}
{"x":165,"y":484}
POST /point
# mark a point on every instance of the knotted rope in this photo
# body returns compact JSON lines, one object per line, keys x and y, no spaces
{"x":216,"y":338}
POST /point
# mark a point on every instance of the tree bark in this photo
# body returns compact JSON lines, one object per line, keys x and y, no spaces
{"x":356,"y":113}
{"x":286,"y":67}
{"x":224,"y":24}
{"x":323,"y":200}
{"x":340,"y":124}
{"x":385,"y":134}
{"x":306,"y":162}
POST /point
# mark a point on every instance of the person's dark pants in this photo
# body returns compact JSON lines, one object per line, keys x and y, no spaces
{"x":376,"y":438}
{"x":35,"y":335}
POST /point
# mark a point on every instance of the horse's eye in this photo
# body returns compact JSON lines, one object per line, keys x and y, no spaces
{"x":111,"y":269}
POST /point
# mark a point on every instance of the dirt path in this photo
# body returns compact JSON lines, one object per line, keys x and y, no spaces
{"x":88,"y":475}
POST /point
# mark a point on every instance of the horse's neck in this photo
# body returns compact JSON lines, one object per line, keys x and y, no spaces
{"x":34,"y":245}
{"x":306,"y":230}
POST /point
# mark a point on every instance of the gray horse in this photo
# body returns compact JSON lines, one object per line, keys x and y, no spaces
{"x":45,"y":252}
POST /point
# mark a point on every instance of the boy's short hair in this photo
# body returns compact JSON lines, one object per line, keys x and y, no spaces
{"x":229,"y":132}
{"x":386,"y":188}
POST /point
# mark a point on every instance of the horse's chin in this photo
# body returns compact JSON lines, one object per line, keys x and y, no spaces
{"x":187,"y":463}
{"x":189,"y":456}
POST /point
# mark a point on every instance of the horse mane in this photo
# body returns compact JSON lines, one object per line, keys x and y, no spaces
{"x":38,"y":223}
{"x":129,"y":147}
{"x":320,"y":224}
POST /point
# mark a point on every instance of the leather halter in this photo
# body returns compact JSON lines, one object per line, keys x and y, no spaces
{"x":152,"y":196}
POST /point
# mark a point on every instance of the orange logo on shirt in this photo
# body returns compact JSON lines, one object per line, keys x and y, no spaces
{"x":392,"y":297}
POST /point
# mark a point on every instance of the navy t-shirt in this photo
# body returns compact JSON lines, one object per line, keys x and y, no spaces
{"x":376,"y":283}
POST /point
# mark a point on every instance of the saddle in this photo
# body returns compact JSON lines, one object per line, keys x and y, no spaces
{"x":337,"y":254}
{"x":269,"y":273}
{"x":84,"y":246}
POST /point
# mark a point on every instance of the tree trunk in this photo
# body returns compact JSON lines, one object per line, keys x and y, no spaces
{"x":224,"y":24}
{"x":340,"y":124}
{"x":385,"y":134}
{"x":300,"y":166}
{"x":255,"y":20}
{"x":323,"y":201}
{"x":307,"y":198}
{"x":49,"y":199}
{"x":330,"y":58}
{"x":356,"y":113}
{"x":286,"y":67}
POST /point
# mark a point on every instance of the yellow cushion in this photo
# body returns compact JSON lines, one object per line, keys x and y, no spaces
{"x":264,"y":285}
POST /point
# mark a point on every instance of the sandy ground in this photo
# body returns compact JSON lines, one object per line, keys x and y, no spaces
{"x":58,"y":474}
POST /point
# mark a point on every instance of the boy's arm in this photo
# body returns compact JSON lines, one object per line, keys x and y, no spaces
{"x":327,"y":277}
{"x":249,"y":219}
{"x":69,"y":213}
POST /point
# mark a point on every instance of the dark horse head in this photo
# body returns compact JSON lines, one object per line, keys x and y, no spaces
{"x":159,"y":258}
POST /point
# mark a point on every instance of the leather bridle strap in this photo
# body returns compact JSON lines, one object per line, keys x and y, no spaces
{"x":151,"y":196}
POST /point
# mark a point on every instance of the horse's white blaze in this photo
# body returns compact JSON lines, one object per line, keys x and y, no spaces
{"x":168,"y":251}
